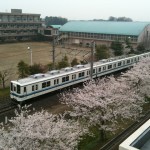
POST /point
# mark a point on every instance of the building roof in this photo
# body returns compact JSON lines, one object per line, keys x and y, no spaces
{"x":139,"y":140}
{"x":56,"y":26}
{"x":105,"y":27}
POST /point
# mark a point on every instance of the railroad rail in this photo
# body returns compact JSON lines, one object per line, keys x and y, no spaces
{"x":116,"y":141}
{"x":6,"y":104}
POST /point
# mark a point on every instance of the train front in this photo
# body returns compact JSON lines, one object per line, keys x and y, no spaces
{"x":15,"y":91}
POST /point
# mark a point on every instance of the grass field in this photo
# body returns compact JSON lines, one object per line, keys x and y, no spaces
{"x":12,"y":53}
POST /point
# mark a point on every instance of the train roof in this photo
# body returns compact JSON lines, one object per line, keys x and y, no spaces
{"x":41,"y":77}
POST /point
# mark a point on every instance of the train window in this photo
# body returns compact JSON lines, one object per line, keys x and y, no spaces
{"x":14,"y":88}
{"x":73,"y":76}
{"x":93,"y":70}
{"x":43,"y":84}
{"x":131,"y":60}
{"x":63,"y":79}
{"x":128,"y":61}
{"x":54,"y":82}
{"x":67,"y":78}
{"x":81,"y":74}
{"x":48,"y":83}
{"x":25,"y":89}
{"x":33,"y":88}
{"x":114,"y":65}
{"x":109,"y":66}
{"x":134,"y":59}
{"x":36,"y":87}
{"x":104,"y":67}
{"x":119,"y":63}
{"x":11,"y":86}
{"x":87,"y":72}
{"x":123,"y":62}
{"x":99,"y":69}
{"x":57,"y":81}
{"x":18,"y":89}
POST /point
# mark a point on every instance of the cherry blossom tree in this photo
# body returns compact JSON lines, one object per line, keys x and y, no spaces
{"x":139,"y":77}
{"x":41,"y":130}
{"x":102,"y":102}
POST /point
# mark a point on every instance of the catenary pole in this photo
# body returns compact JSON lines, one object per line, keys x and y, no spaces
{"x":92,"y":55}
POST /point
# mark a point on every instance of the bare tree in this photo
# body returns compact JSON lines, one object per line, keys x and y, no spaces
{"x":4,"y":76}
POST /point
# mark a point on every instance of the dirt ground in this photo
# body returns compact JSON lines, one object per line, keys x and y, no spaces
{"x":12,"y":53}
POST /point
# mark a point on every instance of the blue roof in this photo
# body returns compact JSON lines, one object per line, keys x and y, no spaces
{"x":105,"y":27}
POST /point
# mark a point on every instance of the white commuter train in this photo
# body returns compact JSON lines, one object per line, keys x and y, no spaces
{"x":39,"y":84}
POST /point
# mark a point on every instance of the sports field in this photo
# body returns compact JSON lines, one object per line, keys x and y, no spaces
{"x":12,"y":53}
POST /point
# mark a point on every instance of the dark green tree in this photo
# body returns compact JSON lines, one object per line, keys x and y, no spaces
{"x":117,"y":47}
{"x":74,"y":62}
{"x":50,"y":66}
{"x":63,"y":63}
{"x":37,"y":68}
{"x":125,"y":19}
{"x":141,"y":48}
{"x":128,"y":43}
{"x":102,"y":52}
{"x":23,"y":69}
{"x":111,"y":18}
{"x":55,"y":21}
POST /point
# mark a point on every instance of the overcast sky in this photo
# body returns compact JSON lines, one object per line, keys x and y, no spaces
{"x":138,"y":10}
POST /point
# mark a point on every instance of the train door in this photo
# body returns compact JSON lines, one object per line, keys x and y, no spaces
{"x":25,"y":91}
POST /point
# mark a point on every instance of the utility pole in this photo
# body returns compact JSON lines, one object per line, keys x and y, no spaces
{"x":92,"y":54}
{"x":29,"y":48}
{"x":53,"y":52}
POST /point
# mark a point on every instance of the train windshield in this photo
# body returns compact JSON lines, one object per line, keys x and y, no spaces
{"x":11,"y":86}
{"x":15,"y":88}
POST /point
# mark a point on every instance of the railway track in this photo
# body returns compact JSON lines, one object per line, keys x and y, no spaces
{"x":115,"y":142}
{"x":6,"y":104}
{"x":7,"y":107}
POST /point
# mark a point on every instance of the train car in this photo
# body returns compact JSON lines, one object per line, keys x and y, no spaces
{"x":40,"y":84}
